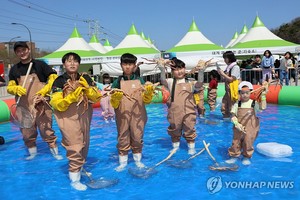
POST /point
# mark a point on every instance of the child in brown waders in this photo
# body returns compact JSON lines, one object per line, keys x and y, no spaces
{"x":181,"y":105}
{"x":246,"y":125}
{"x":72,"y":98}
{"x":131,"y":116}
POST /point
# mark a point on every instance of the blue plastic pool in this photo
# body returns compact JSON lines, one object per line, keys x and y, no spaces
{"x":46,"y":178}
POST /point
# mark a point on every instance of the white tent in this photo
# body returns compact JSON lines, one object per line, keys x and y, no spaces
{"x":259,"y":38}
{"x":242,"y":34}
{"x":94,"y":42}
{"x":132,"y":43}
{"x":74,"y":44}
{"x":148,"y":40}
{"x":107,"y":45}
{"x":235,"y":36}
{"x":193,"y":47}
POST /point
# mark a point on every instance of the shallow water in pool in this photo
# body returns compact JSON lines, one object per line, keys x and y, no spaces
{"x":265,"y":178}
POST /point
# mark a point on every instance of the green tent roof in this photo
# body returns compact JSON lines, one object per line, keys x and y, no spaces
{"x":195,"y":47}
{"x":257,"y":22}
{"x":193,"y":27}
{"x":94,"y":39}
{"x":75,"y":34}
{"x":235,"y":36}
{"x":264,"y":43}
{"x":143,"y":35}
{"x":106,"y":43}
{"x":132,"y":30}
{"x":244,"y":30}
{"x":135,"y":50}
{"x":81,"y":53}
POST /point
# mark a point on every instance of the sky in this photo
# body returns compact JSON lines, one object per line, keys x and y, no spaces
{"x":51,"y":22}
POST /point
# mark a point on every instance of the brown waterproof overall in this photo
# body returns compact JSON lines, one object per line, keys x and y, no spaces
{"x":226,"y":101}
{"x":211,"y":99}
{"x":241,"y":141}
{"x":200,"y":106}
{"x":74,"y":124}
{"x":42,"y":114}
{"x":131,"y":118}
{"x":181,"y":114}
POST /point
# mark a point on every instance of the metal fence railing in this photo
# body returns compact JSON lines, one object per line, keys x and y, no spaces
{"x":255,"y":75}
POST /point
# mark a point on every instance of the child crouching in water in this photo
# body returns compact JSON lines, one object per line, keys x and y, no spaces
{"x":246,"y":125}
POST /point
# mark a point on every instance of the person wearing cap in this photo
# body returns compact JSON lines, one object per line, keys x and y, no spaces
{"x":34,"y":94}
{"x":245,"y":125}
{"x":231,"y":77}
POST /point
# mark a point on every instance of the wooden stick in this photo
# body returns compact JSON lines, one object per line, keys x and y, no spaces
{"x":209,"y":153}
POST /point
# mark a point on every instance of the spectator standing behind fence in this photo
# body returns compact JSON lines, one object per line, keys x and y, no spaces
{"x":256,"y":69}
{"x":256,"y":62}
{"x":292,"y":70}
{"x":285,"y":64}
{"x":267,"y":65}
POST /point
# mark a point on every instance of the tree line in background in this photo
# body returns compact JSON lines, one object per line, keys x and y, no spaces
{"x":289,"y":31}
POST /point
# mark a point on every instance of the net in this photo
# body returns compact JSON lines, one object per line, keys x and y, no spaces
{"x":21,"y":116}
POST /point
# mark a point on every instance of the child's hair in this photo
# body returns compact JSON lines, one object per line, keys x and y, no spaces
{"x":128,"y":58}
{"x":268,"y":51}
{"x":257,"y":56}
{"x":230,"y":56}
{"x":75,"y":56}
{"x":178,"y":63}
{"x":137,"y":72}
{"x":105,"y":76}
{"x":214,"y":73}
{"x":290,"y":54}
{"x":245,"y":86}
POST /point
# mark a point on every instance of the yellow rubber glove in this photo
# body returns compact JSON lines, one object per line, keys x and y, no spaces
{"x":83,"y":82}
{"x":148,"y":94}
{"x":234,"y":90}
{"x":115,"y":99}
{"x":58,"y":102}
{"x":47,"y":88}
{"x":13,"y":88}
{"x":197,"y":98}
{"x":93,"y":94}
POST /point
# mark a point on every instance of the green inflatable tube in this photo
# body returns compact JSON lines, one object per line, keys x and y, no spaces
{"x":220,"y":92}
{"x":5,"y":113}
{"x":289,"y":95}
{"x":157,"y":97}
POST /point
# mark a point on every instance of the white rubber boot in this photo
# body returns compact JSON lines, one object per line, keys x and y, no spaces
{"x":175,"y":146}
{"x":54,"y":152}
{"x":32,"y":153}
{"x":123,"y":163}
{"x":191,"y":150}
{"x":246,"y":161}
{"x":137,"y":158}
{"x":231,"y":160}
{"x":75,"y":181}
